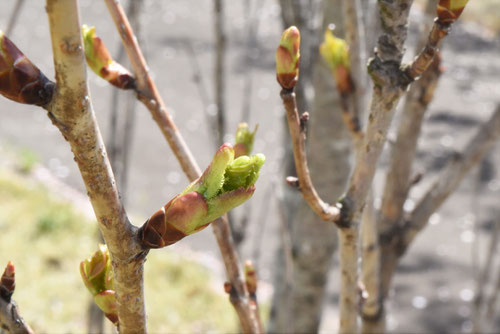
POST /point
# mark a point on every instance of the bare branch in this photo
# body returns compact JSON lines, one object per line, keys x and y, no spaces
{"x":219,"y":75}
{"x":398,"y":176}
{"x":149,"y":95}
{"x":321,"y":208}
{"x":451,"y":176}
{"x":71,"y":111}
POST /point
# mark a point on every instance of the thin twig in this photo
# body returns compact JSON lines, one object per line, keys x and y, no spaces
{"x":13,"y":17}
{"x":451,"y":176}
{"x":148,"y":94}
{"x":484,"y":277}
{"x":219,"y":75}
{"x":306,"y":187}
{"x":71,"y":111}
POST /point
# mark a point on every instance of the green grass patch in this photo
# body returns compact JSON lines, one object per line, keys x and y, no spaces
{"x":46,"y":239}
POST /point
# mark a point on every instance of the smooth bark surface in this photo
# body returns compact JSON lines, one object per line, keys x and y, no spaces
{"x":71,"y":111}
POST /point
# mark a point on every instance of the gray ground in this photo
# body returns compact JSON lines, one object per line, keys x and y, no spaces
{"x":435,"y":283}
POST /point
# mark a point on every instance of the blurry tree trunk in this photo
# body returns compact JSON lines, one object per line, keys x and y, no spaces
{"x":299,"y":308}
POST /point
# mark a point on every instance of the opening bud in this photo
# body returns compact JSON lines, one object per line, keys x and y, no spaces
{"x":335,"y":52}
{"x":448,"y":11}
{"x":244,"y":140}
{"x":20,"y":80}
{"x":101,"y":63}
{"x":97,"y":275}
{"x":225,"y":184}
{"x":288,"y":58}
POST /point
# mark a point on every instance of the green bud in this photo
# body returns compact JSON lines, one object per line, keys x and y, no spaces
{"x":225,"y":184}
{"x":20,"y":80}
{"x":97,"y":275}
{"x":288,"y":58}
{"x":335,"y":52}
{"x":101,"y":62}
{"x":244,"y":140}
{"x":106,"y":301}
{"x":448,"y":11}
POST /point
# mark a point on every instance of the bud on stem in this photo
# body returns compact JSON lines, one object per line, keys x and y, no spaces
{"x":20,"y":80}
{"x":448,"y":11}
{"x":8,"y":282}
{"x":288,"y":58}
{"x":101,"y":62}
{"x":244,"y":140}
{"x":335,"y":52}
{"x":225,"y":184}
{"x":97,"y":275}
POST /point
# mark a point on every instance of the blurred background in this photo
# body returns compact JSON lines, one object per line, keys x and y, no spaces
{"x":47,"y":225}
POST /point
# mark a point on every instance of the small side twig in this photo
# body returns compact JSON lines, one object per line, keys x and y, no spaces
{"x":321,"y":208}
{"x":219,"y":71}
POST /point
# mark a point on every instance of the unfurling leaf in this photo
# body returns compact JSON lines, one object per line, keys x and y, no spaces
{"x":448,"y":11}
{"x":288,"y":58}
{"x":100,"y":61}
{"x":20,"y":80}
{"x":244,"y":140}
{"x":225,"y":184}
{"x":97,"y":275}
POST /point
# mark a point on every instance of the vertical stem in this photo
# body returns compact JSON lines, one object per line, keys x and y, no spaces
{"x":348,"y":252}
{"x":219,"y":74}
{"x":71,"y":111}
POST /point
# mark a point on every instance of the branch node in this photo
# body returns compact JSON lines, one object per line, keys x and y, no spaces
{"x":345,"y":206}
{"x":304,"y":118}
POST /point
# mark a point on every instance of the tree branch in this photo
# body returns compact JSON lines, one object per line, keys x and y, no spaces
{"x":71,"y":111}
{"x":149,"y":95}
{"x":451,"y":176}
{"x":306,"y":187}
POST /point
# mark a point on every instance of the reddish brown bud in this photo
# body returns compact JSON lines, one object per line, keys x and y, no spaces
{"x":228,"y":287}
{"x":288,"y":58}
{"x":448,"y":11}
{"x":20,"y":80}
{"x":8,"y":282}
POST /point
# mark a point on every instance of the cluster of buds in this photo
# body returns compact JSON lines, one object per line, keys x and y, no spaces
{"x":335,"y":52}
{"x":288,"y":58}
{"x":20,"y":80}
{"x":97,"y":276}
{"x":448,"y":11}
{"x":100,"y":61}
{"x":8,"y":282}
{"x":244,"y":140}
{"x":225,"y":184}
